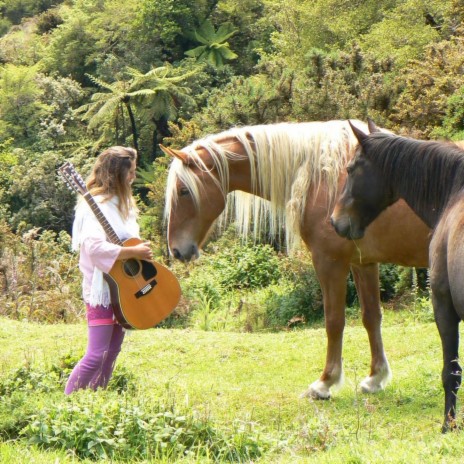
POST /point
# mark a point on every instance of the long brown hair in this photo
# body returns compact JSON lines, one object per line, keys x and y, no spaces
{"x":109,"y":177}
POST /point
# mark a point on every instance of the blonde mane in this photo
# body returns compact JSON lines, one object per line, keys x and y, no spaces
{"x":286,"y":159}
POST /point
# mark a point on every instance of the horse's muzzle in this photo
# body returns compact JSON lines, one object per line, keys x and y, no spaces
{"x":345,"y":229}
{"x":190,"y":254}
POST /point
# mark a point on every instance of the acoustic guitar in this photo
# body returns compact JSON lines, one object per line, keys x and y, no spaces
{"x":143,"y":293}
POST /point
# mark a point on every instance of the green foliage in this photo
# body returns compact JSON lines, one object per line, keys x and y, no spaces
{"x":36,"y":109}
{"x":254,"y":27}
{"x":48,"y":20}
{"x":323,"y":24}
{"x":105,"y":426}
{"x":153,"y":98}
{"x":64,"y":366}
{"x":453,"y":122}
{"x":8,"y":160}
{"x":161,"y":93}
{"x":16,"y":10}
{"x":159,"y":28}
{"x":20,"y":106}
{"x":214,"y":49}
{"x":153,"y":182}
{"x":246,"y":267}
{"x":20,"y":46}
{"x":426,"y":87}
{"x":403,"y":33}
{"x":104,"y":430}
{"x":246,"y":386}
{"x":70,"y":47}
{"x":163,"y":90}
{"x":424,"y":309}
{"x":343,"y":85}
{"x":301,"y":302}
{"x":122,"y":381}
{"x":25,"y":379}
{"x":330,"y":86}
{"x":39,"y":199}
{"x":109,"y":107}
{"x":38,"y":276}
{"x":62,"y":95}
{"x":259,"y":99}
{"x":389,"y":278}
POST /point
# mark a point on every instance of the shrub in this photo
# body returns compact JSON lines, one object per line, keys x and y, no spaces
{"x":22,"y":392}
{"x":39,"y":276}
{"x":104,"y":428}
{"x":64,"y":366}
{"x":48,"y":20}
{"x":395,"y":281}
{"x":26,"y":379}
{"x":111,"y":424}
{"x":301,"y":302}
{"x":245,"y":266}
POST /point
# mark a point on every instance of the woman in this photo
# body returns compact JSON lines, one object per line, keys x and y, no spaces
{"x":110,"y":185}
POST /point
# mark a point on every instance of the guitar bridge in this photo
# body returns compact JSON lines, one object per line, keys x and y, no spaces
{"x":147,"y":289}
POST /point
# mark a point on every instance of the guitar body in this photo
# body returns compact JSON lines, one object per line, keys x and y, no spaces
{"x":143,"y":293}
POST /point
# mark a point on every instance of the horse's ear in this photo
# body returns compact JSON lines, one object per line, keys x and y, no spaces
{"x":184,"y":157}
{"x":360,"y":135}
{"x":372,"y":127}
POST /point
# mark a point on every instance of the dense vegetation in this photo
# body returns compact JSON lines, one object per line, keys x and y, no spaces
{"x":80,"y":75}
{"x":189,"y":396}
{"x":77,"y":76}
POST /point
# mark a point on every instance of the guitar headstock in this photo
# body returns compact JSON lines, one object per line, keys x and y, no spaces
{"x":72,"y":178}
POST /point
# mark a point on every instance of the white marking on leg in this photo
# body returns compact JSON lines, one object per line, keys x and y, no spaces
{"x":320,"y":389}
{"x":377,"y":382}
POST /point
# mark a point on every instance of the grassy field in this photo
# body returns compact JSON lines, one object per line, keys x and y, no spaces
{"x":254,"y":381}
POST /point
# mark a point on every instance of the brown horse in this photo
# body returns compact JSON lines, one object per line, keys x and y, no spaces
{"x":298,"y":169}
{"x":429,"y":176}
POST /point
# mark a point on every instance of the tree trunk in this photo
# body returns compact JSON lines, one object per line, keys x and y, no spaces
{"x":160,"y":131}
{"x":133,"y":125}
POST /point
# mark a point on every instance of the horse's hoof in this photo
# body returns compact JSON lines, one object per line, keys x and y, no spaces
{"x":450,"y":425}
{"x":369,"y":386}
{"x":317,"y":391}
{"x":376,"y":383}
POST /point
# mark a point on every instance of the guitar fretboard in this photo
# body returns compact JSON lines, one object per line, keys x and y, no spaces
{"x":109,"y":231}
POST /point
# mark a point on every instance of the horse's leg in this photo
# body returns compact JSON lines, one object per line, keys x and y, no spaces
{"x":445,"y":278}
{"x":366,"y":279}
{"x":448,"y":327}
{"x":332,"y":277}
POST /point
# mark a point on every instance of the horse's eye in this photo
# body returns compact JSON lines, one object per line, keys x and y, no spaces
{"x":184,"y":191}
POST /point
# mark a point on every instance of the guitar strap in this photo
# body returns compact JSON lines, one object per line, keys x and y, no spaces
{"x":86,"y":224}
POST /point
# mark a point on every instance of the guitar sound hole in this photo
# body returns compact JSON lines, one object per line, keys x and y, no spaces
{"x":132,"y":267}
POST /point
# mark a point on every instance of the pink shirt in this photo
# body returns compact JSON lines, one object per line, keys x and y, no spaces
{"x":95,"y":252}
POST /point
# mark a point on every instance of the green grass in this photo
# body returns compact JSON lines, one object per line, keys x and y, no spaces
{"x":256,"y":379}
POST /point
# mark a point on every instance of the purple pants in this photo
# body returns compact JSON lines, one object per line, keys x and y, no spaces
{"x":95,"y":368}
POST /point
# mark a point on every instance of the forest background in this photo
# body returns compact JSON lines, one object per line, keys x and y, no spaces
{"x":78,"y":76}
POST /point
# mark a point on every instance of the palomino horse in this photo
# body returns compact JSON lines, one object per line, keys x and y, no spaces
{"x":298,"y":168}
{"x":429,"y":176}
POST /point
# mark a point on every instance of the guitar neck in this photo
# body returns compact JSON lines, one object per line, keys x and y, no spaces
{"x":109,"y":231}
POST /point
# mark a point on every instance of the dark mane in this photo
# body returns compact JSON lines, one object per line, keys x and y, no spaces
{"x":427,"y":172}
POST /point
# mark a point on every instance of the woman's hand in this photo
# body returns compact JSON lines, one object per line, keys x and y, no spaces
{"x":139,"y":251}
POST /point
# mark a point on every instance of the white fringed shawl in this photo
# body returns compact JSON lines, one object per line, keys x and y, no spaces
{"x":86,"y":225}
